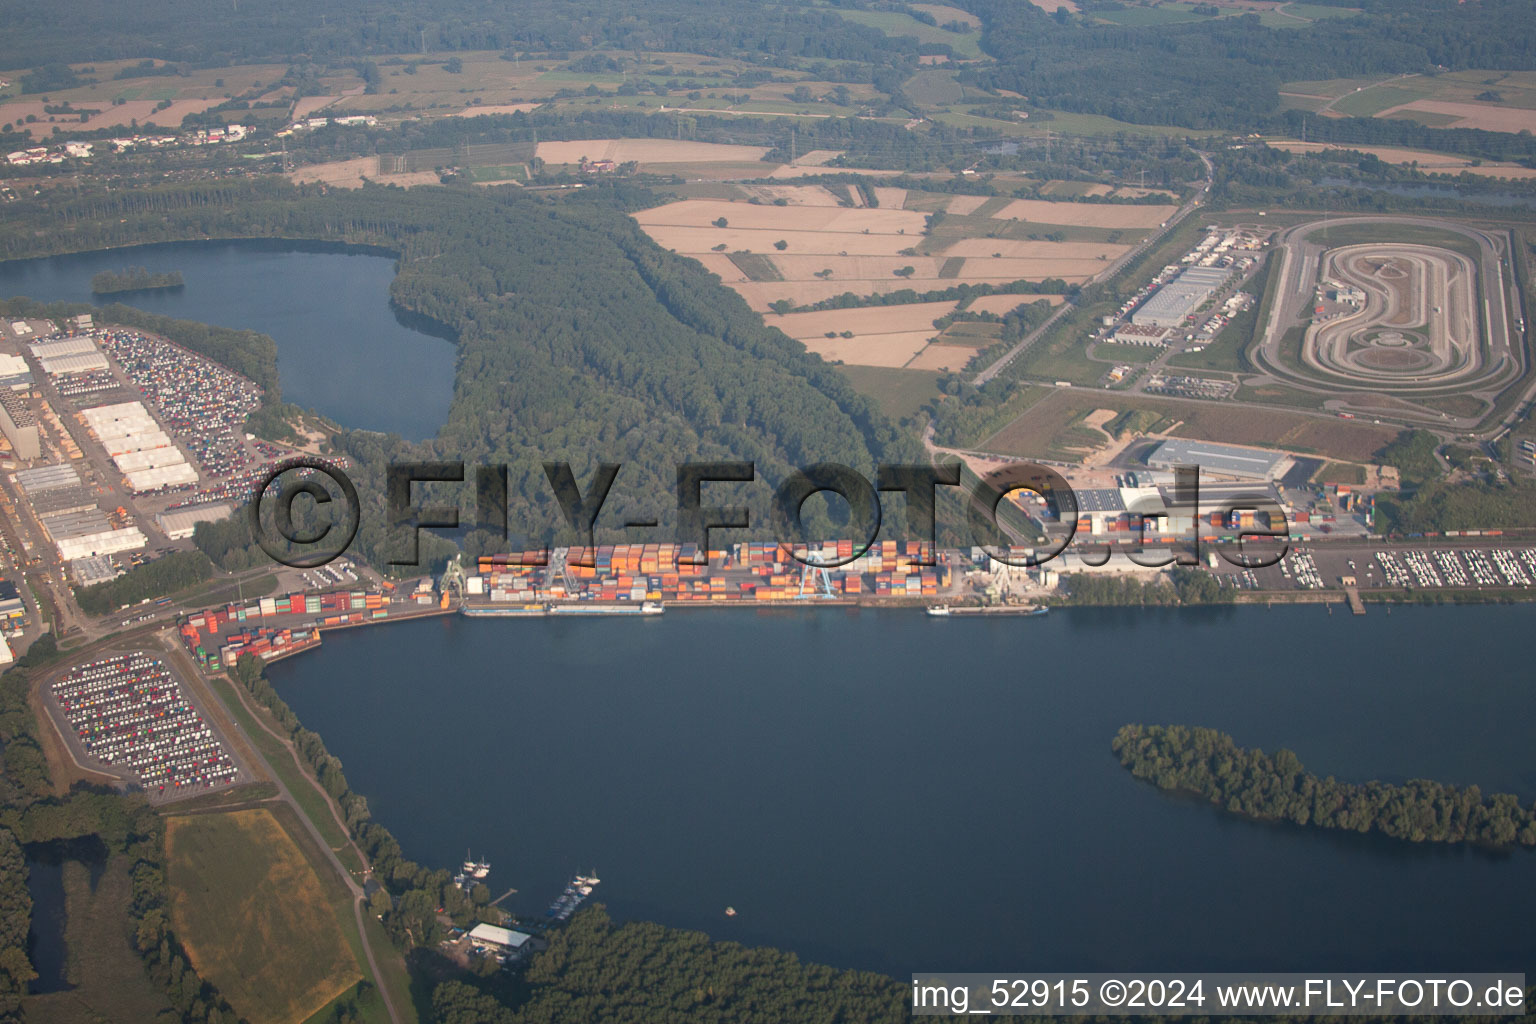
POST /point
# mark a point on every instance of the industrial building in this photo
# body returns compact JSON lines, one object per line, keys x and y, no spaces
{"x":61,"y":501}
{"x":19,"y":425}
{"x":12,"y":611}
{"x":93,"y":569}
{"x":47,"y":478}
{"x":69,"y":355}
{"x":1223,"y":459}
{"x":501,"y":939}
{"x":15,"y":375}
{"x":142,"y":451}
{"x":6,"y":657}
{"x":83,"y":534}
{"x":1140,"y":334}
{"x":1174,"y":301}
{"x":182,"y":523}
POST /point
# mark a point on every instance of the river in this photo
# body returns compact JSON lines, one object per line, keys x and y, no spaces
{"x":341,"y":349}
{"x":880,"y":789}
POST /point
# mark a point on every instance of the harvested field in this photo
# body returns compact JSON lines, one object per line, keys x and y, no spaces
{"x":865,"y":320}
{"x":1002,"y":305}
{"x":704,"y":212}
{"x":1486,"y":116}
{"x":986,"y":268}
{"x":803,"y":171}
{"x":648,"y":151}
{"x":309,"y":104}
{"x":942,"y":357}
{"x":498,"y":108}
{"x":1075,"y":188}
{"x":761,"y":294}
{"x":893,"y":350}
{"x":794,"y":195}
{"x":1098,"y":215}
{"x":704,"y":239}
{"x":718,"y":263}
{"x":891,"y":198}
{"x":253,"y":916}
{"x":818,"y":157}
{"x":1039,"y":430}
{"x":350,"y":174}
{"x":989,"y":248}
{"x":1052,"y":6}
{"x":799,"y":267}
{"x":965,"y":204}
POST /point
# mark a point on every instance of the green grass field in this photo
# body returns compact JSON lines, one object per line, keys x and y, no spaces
{"x":254,"y":917}
{"x":502,"y":172}
{"x":1373,"y":100}
{"x":966,"y":44}
{"x":899,"y":393}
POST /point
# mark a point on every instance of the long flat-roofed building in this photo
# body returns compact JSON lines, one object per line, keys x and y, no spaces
{"x":1223,"y":459}
{"x":1174,"y":301}
{"x":69,"y":355}
{"x":47,"y":478}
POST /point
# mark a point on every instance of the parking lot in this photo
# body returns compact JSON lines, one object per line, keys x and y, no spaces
{"x":130,"y":714}
{"x":1378,"y":567}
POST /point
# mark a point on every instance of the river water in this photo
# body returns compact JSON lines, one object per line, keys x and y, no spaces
{"x":341,"y":349}
{"x":885,"y":790}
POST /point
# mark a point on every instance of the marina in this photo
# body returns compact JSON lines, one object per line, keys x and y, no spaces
{"x":575,"y":894}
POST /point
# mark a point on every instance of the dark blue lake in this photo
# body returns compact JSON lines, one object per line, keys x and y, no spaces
{"x":885,"y":790}
{"x":341,"y":348}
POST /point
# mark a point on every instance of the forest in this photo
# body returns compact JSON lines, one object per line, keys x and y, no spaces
{"x":579,"y":339}
{"x":166,"y":575}
{"x":637,"y":973}
{"x":215,"y":32}
{"x":1276,"y":787}
{"x":1226,"y":72}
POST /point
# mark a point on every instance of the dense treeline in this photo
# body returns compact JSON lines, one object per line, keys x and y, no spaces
{"x":165,"y":575}
{"x":133,"y":279}
{"x":1226,"y":72}
{"x":126,"y":826}
{"x":1249,"y":782}
{"x":579,"y":339}
{"x":15,"y":922}
{"x":639,"y":972}
{"x":1183,"y":585}
{"x":213,"y":32}
{"x":1508,"y":504}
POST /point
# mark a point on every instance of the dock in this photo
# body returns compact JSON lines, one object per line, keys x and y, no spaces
{"x":1352,"y":595}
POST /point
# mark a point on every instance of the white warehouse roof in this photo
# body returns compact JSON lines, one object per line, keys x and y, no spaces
{"x":182,"y":523}
{"x":109,"y":542}
{"x":152,"y":458}
{"x":491,"y":935}
{"x":164,"y":476}
{"x":82,"y":363}
{"x":64,"y":347}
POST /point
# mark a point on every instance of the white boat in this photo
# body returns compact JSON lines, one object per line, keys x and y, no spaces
{"x":939,"y":610}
